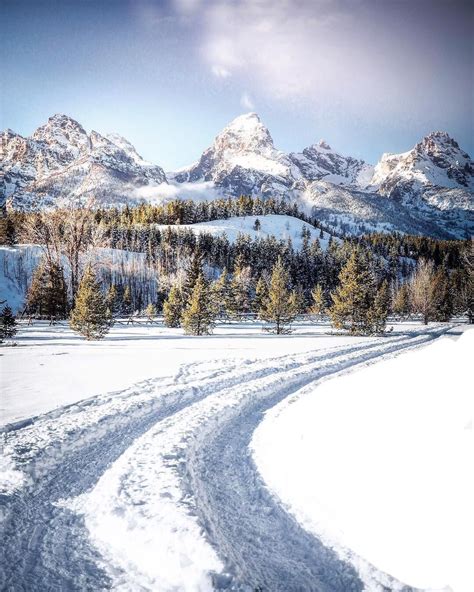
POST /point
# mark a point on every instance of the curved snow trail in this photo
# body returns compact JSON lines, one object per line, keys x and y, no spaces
{"x":63,"y":454}
{"x":189,"y":481}
{"x":263,"y":546}
{"x":205,"y":424}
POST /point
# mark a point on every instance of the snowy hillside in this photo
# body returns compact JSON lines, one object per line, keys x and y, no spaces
{"x":279,"y":226}
{"x":375,"y":463}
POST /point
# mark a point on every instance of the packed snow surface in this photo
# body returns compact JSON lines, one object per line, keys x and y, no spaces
{"x":378,"y":463}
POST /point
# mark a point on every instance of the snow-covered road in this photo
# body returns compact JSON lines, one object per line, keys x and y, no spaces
{"x":154,"y":487}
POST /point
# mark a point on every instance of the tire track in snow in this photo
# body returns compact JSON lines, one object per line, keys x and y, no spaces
{"x":46,"y":547}
{"x":63,"y":454}
{"x":156,"y":492}
{"x":262,"y":546}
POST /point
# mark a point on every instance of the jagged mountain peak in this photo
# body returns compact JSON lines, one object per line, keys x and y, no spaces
{"x":127,"y":147}
{"x":245,"y":133}
{"x":319,"y":161}
{"x":323,"y":144}
{"x":242,"y":159}
{"x":435,"y":161}
{"x":59,"y":123}
{"x":61,"y":161}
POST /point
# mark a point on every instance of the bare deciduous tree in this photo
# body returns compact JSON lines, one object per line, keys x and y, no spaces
{"x":65,"y":233}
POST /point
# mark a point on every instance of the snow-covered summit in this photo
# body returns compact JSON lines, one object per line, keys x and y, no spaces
{"x":430,"y":187}
{"x":244,"y":160}
{"x":436,"y":161}
{"x":127,"y":147}
{"x":60,"y":161}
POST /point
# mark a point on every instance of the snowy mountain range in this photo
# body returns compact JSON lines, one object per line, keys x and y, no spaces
{"x":427,"y":190}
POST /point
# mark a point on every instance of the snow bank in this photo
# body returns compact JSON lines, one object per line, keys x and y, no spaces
{"x":378,"y":463}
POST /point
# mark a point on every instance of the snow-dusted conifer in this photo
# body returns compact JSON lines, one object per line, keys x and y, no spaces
{"x":8,"y":325}
{"x":47,"y":294}
{"x":353,"y":298}
{"x":318,"y":305}
{"x":401,"y":303}
{"x":199,"y":315}
{"x":380,"y":308}
{"x":222,"y":295}
{"x":90,"y":317}
{"x":280,"y":308}
{"x":173,"y":307}
{"x":261,"y":295}
{"x":241,"y":286}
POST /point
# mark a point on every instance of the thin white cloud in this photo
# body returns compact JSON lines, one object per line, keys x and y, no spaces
{"x":246,"y":102}
{"x":220,"y":71}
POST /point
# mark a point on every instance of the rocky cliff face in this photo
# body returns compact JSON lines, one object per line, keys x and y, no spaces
{"x":320,"y":162}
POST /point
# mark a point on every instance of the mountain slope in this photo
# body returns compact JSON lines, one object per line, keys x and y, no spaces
{"x":436,"y":161}
{"x":321,"y":162}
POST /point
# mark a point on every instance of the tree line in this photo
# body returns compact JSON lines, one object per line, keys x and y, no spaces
{"x":354,"y":280}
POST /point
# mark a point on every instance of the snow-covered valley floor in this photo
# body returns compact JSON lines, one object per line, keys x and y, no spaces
{"x":130,"y":463}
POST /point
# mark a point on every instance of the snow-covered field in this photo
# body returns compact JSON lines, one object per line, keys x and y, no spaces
{"x":134,"y":455}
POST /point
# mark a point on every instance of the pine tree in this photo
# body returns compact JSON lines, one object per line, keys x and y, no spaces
{"x":353,"y":298}
{"x":222,"y":295}
{"x":443,"y":298}
{"x":261,"y":294}
{"x":199,"y":315}
{"x":47,"y":294}
{"x":195,"y":269}
{"x":150,"y":311}
{"x":173,"y":307}
{"x":241,"y":285}
{"x":126,"y":308}
{"x":114,"y":301}
{"x":318,"y":306}
{"x":7,"y":229}
{"x":280,"y":307}
{"x":8,"y":326}
{"x":90,"y":317}
{"x":401,"y":302}
{"x":380,"y":308}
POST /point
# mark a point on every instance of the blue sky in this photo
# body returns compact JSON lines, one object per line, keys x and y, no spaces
{"x":367,"y":76}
